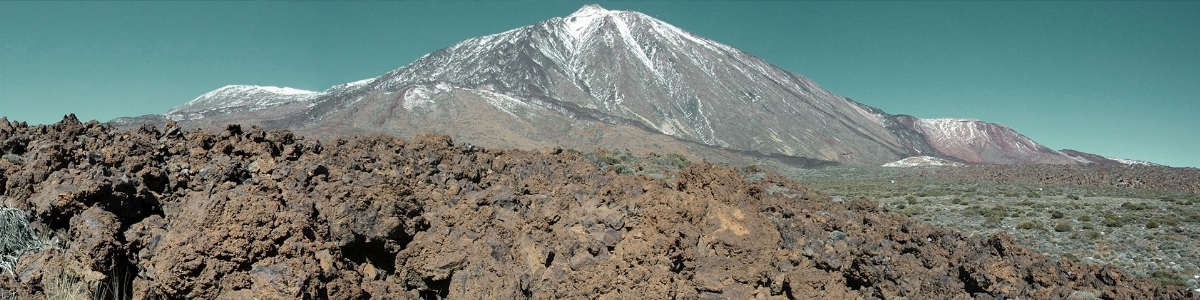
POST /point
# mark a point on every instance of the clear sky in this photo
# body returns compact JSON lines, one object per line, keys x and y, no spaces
{"x":1114,"y":78}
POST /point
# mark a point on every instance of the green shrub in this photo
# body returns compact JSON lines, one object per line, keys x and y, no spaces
{"x":623,"y":169}
{"x":1000,"y":211}
{"x":1193,"y":218}
{"x":1084,"y":218}
{"x":14,"y":159}
{"x":911,"y":199}
{"x":1062,"y":227}
{"x":1069,"y":256}
{"x":1112,"y":220}
{"x":1131,"y":206}
{"x":1056,"y":214}
{"x":1029,"y":225}
{"x":1152,"y":224}
{"x":1168,"y":278}
{"x":751,"y":168}
{"x":1072,"y":197}
{"x":993,"y":222}
{"x":912,"y":211}
{"x":675,"y":160}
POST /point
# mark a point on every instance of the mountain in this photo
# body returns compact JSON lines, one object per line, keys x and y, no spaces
{"x":976,"y":141}
{"x":1088,"y":158}
{"x":613,"y":79}
{"x":238,"y":98}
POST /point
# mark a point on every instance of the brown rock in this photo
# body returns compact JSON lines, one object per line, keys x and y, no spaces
{"x":254,"y":214}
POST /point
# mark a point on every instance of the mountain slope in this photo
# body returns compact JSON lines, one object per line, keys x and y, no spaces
{"x":599,"y":76}
{"x":976,"y":141}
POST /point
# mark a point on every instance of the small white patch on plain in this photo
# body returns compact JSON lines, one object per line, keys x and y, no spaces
{"x":922,"y":161}
{"x":1132,"y":162}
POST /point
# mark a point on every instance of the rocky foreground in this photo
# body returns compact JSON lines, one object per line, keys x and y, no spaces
{"x":250,"y":214}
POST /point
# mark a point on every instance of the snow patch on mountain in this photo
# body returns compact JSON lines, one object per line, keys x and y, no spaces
{"x":951,"y":129}
{"x":505,"y":103}
{"x":233,"y":98}
{"x":1133,"y":162}
{"x":579,"y":22}
{"x":418,"y":96}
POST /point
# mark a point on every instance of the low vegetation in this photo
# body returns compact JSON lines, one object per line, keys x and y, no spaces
{"x":1149,"y":232}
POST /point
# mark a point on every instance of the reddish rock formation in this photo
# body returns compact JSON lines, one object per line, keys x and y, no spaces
{"x":246,"y":213}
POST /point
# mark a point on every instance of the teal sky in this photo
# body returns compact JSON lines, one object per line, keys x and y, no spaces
{"x":1114,"y":78}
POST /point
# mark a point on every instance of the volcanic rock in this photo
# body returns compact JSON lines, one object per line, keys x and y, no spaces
{"x":196,"y":214}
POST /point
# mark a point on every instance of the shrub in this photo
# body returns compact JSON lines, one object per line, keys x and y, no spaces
{"x":751,"y":168}
{"x":1152,"y":224}
{"x":1167,"y":278}
{"x":1028,"y":225}
{"x":674,"y":160}
{"x":1000,"y":211}
{"x":623,"y":169}
{"x":911,"y":199}
{"x":1056,"y":214}
{"x":1062,"y":227}
{"x":992,"y":222}
{"x":14,"y":159}
{"x":1193,"y":218}
{"x":1072,"y":197}
{"x":17,"y":239}
{"x":1084,"y":218}
{"x":1112,"y":220}
{"x":1131,"y":206}
{"x":1069,"y":256}
{"x":912,"y":211}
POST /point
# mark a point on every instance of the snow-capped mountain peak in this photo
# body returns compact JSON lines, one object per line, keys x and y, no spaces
{"x":578,"y":22}
{"x":606,"y":69}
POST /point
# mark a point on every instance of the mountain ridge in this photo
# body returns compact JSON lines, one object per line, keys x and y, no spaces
{"x":606,"y":69}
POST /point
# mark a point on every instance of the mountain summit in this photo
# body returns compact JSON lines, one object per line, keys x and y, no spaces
{"x":614,"y":79}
